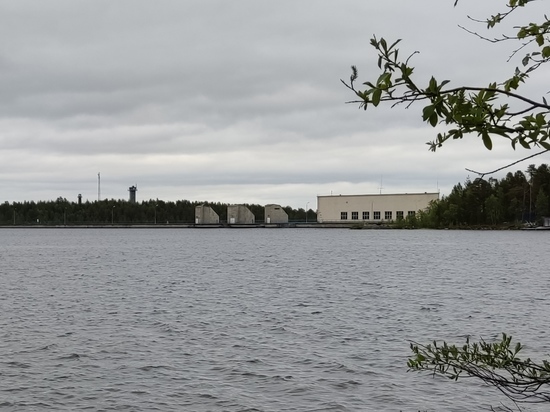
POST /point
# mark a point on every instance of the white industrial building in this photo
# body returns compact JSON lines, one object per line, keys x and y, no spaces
{"x":371,"y":208}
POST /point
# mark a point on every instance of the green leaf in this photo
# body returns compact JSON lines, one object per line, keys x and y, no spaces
{"x":383,"y":79}
{"x":395,"y":43}
{"x":524,"y":143}
{"x":376,"y":96}
{"x":433,"y":119}
{"x":487,"y":140}
{"x":433,"y":85}
{"x":427,"y":112}
{"x":383,"y":44}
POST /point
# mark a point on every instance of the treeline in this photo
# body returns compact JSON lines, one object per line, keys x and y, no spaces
{"x":63,"y":212}
{"x":517,"y":199}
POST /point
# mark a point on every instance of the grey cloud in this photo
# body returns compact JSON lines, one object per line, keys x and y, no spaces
{"x":217,"y":93}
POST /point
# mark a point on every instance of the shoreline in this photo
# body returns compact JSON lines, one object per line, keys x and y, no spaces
{"x":296,"y":225}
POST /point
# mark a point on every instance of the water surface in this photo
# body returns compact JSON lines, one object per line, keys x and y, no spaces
{"x":257,"y":320}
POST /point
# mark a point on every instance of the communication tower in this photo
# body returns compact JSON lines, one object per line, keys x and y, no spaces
{"x":132,"y":190}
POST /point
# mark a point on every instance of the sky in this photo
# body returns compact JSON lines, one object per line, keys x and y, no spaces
{"x":234,"y":101}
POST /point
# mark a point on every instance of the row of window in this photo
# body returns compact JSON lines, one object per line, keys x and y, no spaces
{"x":388,"y":215}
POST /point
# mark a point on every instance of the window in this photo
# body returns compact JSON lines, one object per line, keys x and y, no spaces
{"x":366,"y":216}
{"x":343,"y":215}
{"x":376,"y":215}
{"x":411,"y":213}
{"x":399,"y":215}
{"x":354,"y":215}
{"x":388,"y":215}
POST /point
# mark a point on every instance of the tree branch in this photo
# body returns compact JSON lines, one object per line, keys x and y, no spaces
{"x":507,"y":166}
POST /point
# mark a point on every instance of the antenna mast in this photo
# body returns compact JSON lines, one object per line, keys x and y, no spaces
{"x":98,"y":187}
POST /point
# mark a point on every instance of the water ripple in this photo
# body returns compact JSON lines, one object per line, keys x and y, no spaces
{"x":284,"y":320}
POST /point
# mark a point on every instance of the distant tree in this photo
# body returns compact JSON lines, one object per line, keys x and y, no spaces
{"x":541,"y":205}
{"x":492,"y":209}
{"x":514,"y":187}
{"x":496,"y":202}
{"x":61,"y":211}
{"x":411,"y":221}
{"x":451,"y":215}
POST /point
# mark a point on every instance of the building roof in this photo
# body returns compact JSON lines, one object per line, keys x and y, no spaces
{"x":383,"y":194}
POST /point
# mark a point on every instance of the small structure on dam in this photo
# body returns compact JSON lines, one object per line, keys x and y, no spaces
{"x":205,"y":215}
{"x":240,"y":215}
{"x":274,"y":214}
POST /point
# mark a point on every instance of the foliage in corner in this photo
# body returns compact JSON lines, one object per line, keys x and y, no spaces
{"x":497,"y":364}
{"x":465,"y":110}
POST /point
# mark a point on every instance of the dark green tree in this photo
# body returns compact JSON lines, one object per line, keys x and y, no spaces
{"x":492,"y":209}
{"x":509,"y":201}
{"x":541,"y":205}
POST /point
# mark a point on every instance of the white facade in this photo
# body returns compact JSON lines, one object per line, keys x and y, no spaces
{"x":371,"y":208}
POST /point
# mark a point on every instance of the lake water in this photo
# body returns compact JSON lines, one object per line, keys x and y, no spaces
{"x":258,"y":319}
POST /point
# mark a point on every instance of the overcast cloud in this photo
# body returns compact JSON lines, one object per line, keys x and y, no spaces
{"x":235,"y":101}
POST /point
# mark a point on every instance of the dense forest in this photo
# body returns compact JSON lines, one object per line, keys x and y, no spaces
{"x":517,"y":199}
{"x":63,"y":212}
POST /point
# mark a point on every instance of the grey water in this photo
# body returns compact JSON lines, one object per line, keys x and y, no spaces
{"x":258,"y":319}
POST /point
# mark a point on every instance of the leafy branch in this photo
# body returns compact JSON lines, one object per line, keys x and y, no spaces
{"x":484,"y":111}
{"x":497,"y":364}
